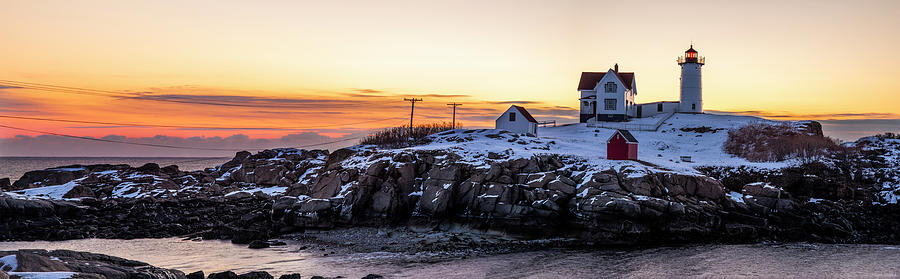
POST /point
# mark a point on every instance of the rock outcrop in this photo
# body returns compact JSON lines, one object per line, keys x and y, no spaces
{"x":257,"y":196}
{"x":80,"y":265}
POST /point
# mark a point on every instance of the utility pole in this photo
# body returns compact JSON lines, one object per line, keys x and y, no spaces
{"x":411,"y":110}
{"x":454,"y":104}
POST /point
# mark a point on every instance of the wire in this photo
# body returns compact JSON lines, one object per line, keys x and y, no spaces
{"x":191,"y":127}
{"x":115,"y":141}
{"x":324,"y":143}
{"x":160,"y":145}
{"x":133,"y":96}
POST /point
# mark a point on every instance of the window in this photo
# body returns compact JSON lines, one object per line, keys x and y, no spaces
{"x":512,"y":117}
{"x":585,"y":103}
{"x":609,"y":104}
{"x":659,"y":107}
{"x":610,"y":87}
{"x":693,"y":106}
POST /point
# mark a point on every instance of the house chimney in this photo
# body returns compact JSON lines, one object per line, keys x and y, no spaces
{"x":616,"y":69}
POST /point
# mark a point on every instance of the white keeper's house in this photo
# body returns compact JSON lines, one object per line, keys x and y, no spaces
{"x":609,"y":96}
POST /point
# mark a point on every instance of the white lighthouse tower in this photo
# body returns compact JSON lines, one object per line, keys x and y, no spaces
{"x":691,"y":86}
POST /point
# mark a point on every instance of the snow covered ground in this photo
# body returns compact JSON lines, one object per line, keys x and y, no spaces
{"x":661,"y":149}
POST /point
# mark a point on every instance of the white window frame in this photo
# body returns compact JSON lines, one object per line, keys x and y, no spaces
{"x":610,"y":87}
{"x":607,"y":103}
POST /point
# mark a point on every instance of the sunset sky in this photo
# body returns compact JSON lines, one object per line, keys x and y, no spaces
{"x":304,"y":72}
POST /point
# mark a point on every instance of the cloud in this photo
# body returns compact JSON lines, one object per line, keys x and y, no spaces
{"x":367,"y":91}
{"x":55,"y":146}
{"x":513,"y":103}
{"x":819,"y":116}
{"x":12,"y":103}
{"x":9,"y":87}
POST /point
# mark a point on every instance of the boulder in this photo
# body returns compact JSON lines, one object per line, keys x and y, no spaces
{"x":80,"y":191}
{"x":29,"y":261}
{"x":436,"y":196}
{"x":562,"y":186}
{"x":256,"y":275}
{"x":47,"y":177}
{"x":196,"y":275}
{"x":258,"y":244}
{"x":313,"y":205}
{"x":290,"y":276}
{"x":223,"y":275}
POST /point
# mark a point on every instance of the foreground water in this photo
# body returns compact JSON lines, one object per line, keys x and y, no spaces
{"x":15,"y":167}
{"x":757,"y":260}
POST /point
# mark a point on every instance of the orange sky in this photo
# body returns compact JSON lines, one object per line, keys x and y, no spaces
{"x":329,"y":63}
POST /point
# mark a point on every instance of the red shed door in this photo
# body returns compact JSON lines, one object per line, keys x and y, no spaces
{"x":632,"y":151}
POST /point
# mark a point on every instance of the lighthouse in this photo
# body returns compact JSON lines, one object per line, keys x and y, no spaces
{"x":691,"y":86}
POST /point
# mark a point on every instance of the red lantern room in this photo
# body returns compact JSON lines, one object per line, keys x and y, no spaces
{"x":691,"y":53}
{"x":690,"y":56}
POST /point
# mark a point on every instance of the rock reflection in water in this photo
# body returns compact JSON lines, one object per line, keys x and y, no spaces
{"x":756,"y":260}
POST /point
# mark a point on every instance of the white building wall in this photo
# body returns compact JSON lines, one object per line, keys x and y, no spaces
{"x":618,"y":95}
{"x":651,"y":109}
{"x":520,"y":126}
{"x":691,"y":89}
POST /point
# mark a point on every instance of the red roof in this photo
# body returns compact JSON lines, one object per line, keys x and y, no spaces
{"x":525,"y":114}
{"x":625,"y":133}
{"x":589,"y":80}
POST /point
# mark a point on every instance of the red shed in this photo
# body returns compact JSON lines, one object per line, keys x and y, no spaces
{"x":621,"y":146}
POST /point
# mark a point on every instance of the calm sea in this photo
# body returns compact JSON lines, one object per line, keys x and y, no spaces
{"x":15,"y":167}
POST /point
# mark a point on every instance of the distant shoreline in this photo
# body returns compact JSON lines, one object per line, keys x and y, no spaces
{"x":122,"y":157}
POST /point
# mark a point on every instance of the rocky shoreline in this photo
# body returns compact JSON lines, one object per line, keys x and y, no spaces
{"x":283,"y":191}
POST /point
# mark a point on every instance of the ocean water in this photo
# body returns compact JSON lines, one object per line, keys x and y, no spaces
{"x":795,"y":260}
{"x":15,"y":167}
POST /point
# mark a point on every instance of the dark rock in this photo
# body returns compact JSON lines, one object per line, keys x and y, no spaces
{"x":223,"y":275}
{"x":88,"y":265}
{"x":47,"y":177}
{"x":258,"y":244}
{"x":196,"y":275}
{"x":290,"y":276}
{"x":373,"y":276}
{"x":4,"y":184}
{"x":256,"y":275}
{"x":149,"y":168}
{"x":35,"y":261}
{"x":80,"y":191}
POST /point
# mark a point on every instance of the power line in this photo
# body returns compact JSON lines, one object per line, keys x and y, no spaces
{"x":330,"y":142}
{"x":191,"y":127}
{"x":162,"y":145}
{"x":121,"y":142}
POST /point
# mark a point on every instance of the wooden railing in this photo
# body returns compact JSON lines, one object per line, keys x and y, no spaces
{"x":631,"y":126}
{"x":699,"y":60}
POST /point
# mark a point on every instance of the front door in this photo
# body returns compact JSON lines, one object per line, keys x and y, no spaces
{"x":639,"y":111}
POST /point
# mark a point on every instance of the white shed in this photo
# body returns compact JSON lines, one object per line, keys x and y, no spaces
{"x":517,"y":120}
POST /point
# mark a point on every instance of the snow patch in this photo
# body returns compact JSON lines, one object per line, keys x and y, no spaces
{"x":735,"y":196}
